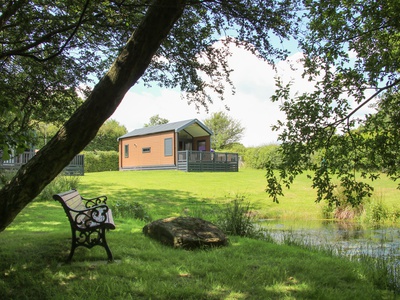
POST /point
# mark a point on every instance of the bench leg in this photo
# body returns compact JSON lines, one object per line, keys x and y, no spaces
{"x":105,"y":245}
{"x":71,"y":253}
{"x":85,"y":239}
{"x":73,"y":245}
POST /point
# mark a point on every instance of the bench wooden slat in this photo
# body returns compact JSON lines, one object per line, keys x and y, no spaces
{"x":72,"y":199}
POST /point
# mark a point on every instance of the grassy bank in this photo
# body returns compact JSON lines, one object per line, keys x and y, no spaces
{"x":33,"y":248}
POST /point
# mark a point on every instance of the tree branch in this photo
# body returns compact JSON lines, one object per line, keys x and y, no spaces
{"x":10,"y":10}
{"x":334,"y":124}
{"x":21,"y":50}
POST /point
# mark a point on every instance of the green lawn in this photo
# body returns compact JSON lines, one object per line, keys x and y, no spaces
{"x":33,"y":248}
{"x":168,"y":193}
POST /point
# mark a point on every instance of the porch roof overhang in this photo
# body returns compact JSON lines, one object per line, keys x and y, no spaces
{"x":192,"y":127}
{"x":195,"y":129}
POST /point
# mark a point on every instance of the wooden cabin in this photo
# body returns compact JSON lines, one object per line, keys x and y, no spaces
{"x":184,"y":145}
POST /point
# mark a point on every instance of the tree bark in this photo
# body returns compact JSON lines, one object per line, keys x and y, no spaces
{"x":83,"y":125}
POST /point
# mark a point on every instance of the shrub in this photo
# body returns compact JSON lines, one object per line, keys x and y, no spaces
{"x":238,"y":219}
{"x":376,"y":212}
{"x":6,"y":176}
{"x":100,"y":161}
{"x":395,"y":214}
{"x":343,"y":210}
{"x":60,"y":184}
{"x":259,"y":157}
{"x":131,"y":210}
{"x":327,"y":211}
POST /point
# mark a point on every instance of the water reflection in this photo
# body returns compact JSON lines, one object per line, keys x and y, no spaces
{"x":344,"y":238}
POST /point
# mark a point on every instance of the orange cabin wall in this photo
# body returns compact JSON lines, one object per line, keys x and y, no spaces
{"x":156,"y":156}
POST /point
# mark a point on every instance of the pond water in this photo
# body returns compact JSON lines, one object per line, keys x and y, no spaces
{"x":347,"y":239}
{"x":343,"y":238}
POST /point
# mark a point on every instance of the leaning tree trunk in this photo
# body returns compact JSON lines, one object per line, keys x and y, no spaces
{"x":83,"y":125}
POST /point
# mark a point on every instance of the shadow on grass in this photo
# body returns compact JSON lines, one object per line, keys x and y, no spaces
{"x":160,"y":203}
{"x":33,"y":248}
{"x":31,"y":268}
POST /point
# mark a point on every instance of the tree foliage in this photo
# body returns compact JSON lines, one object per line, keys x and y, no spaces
{"x":226,"y":130}
{"x":259,"y":157}
{"x":352,"y":54}
{"x":156,"y":120}
{"x":50,"y":50}
{"x":106,"y":137}
{"x":171,"y":42}
{"x":43,"y":133}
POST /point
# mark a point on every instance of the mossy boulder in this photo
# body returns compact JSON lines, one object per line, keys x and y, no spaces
{"x":186,"y":233}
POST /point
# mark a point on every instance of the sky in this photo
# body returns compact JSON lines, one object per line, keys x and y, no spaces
{"x":254,"y":80}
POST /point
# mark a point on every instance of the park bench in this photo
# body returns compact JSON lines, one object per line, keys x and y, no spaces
{"x":89,"y":220}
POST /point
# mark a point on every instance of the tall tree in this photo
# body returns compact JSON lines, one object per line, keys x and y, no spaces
{"x":226,"y":130}
{"x":102,"y":102}
{"x":106,"y":137}
{"x":156,"y":120}
{"x":43,"y":133}
{"x":173,"y":43}
{"x":352,"y":54}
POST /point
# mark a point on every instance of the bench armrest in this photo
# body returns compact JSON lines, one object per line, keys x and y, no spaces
{"x":93,"y":216}
{"x":90,"y":202}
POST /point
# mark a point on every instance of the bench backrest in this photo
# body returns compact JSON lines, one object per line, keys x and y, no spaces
{"x":71,"y":199}
{"x":82,"y":217}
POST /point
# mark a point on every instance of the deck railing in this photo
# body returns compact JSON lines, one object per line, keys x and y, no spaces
{"x":17,"y":161}
{"x":203,"y":161}
{"x":75,"y":167}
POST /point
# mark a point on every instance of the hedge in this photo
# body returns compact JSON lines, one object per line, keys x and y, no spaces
{"x":99,"y":161}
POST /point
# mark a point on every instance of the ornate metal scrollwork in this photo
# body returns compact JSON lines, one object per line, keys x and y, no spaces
{"x":89,"y":239}
{"x":94,"y":201}
{"x":92,"y":217}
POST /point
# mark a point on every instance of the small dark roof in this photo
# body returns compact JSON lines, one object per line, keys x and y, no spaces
{"x":193,"y":127}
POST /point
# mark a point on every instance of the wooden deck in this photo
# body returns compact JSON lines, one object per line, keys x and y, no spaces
{"x":75,"y":167}
{"x":202,"y":161}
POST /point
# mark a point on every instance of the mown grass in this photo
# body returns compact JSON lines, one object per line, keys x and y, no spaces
{"x":33,"y":250}
{"x":34,"y":247}
{"x":170,"y":192}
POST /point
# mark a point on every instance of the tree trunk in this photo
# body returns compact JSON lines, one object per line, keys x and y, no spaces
{"x":83,"y":125}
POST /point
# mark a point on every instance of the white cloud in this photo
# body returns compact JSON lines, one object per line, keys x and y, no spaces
{"x":254,"y":80}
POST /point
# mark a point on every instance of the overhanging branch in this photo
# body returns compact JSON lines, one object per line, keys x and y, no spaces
{"x":334,"y":124}
{"x":22,"y":50}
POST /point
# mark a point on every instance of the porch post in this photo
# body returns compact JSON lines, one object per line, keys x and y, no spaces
{"x":187,"y":160}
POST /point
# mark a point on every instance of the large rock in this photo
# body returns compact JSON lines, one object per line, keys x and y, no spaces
{"x":186,"y":232}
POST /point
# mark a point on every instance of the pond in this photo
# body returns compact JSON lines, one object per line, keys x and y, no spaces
{"x":347,"y":239}
{"x":343,"y":238}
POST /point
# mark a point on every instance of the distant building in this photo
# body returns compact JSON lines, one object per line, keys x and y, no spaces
{"x":184,"y":145}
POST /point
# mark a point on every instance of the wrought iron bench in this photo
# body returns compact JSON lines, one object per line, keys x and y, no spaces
{"x":89,"y":219}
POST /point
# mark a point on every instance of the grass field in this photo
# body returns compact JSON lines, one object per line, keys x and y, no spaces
{"x":168,"y":193}
{"x":33,"y":248}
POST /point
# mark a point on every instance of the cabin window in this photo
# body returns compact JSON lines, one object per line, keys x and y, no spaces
{"x":168,"y":147}
{"x":126,"y":151}
{"x":146,"y":150}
